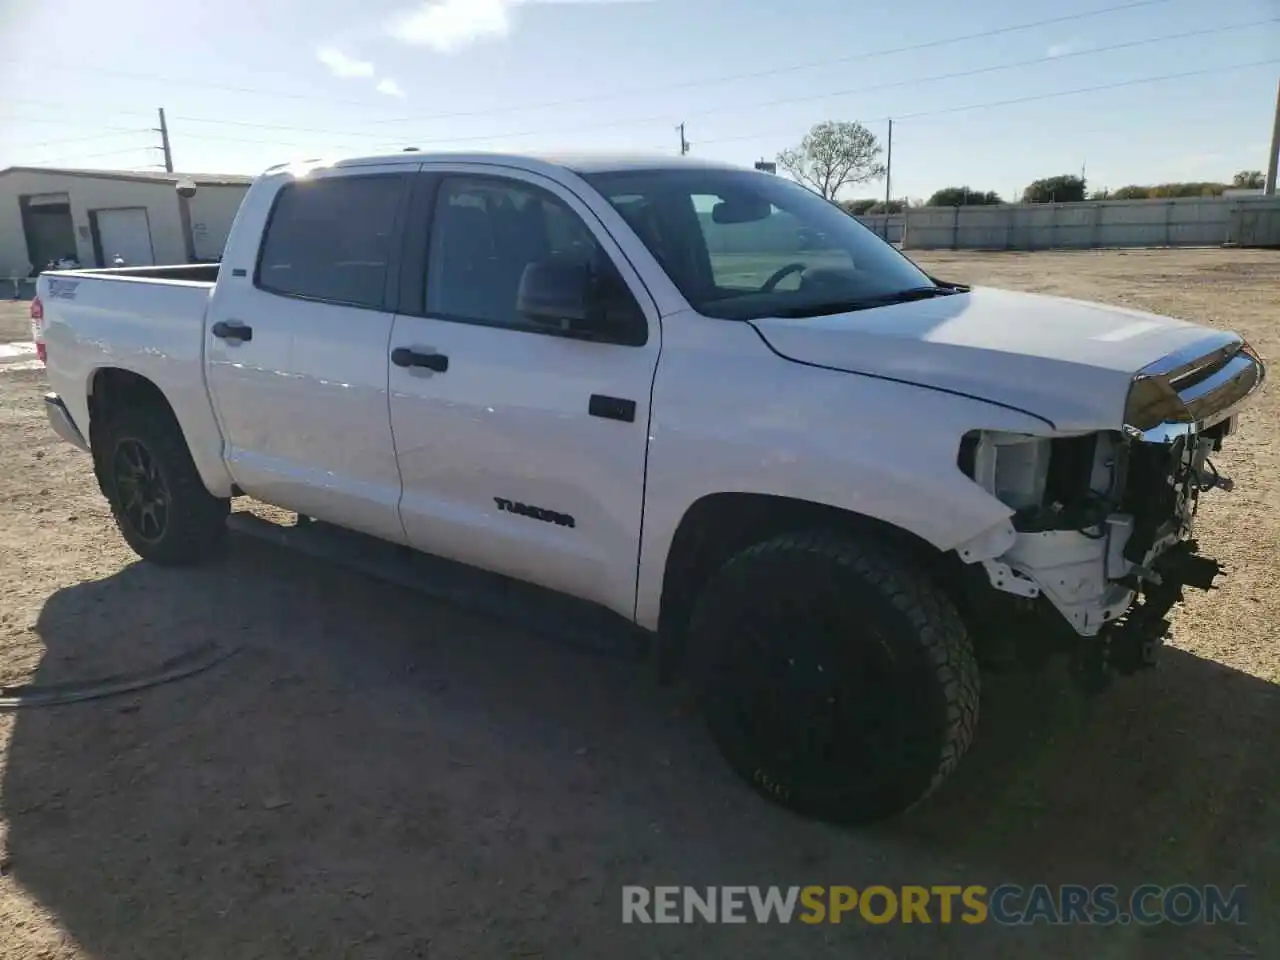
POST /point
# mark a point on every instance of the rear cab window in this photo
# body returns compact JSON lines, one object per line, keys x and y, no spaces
{"x":331,"y":239}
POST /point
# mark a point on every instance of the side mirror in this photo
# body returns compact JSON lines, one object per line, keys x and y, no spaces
{"x":556,"y":295}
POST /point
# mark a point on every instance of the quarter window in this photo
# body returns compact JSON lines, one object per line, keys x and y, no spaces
{"x":331,"y":239}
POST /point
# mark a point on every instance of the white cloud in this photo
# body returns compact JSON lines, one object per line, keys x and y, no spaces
{"x":342,"y":65}
{"x":448,"y":25}
{"x":390,"y":88}
{"x":1060,"y":49}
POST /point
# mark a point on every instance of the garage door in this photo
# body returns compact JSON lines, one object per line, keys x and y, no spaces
{"x":126,"y":232}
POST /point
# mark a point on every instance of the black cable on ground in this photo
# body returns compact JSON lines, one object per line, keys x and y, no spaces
{"x":185,"y":664}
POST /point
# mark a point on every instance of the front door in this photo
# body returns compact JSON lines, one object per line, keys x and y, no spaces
{"x":521,"y":451}
{"x":302,"y":401}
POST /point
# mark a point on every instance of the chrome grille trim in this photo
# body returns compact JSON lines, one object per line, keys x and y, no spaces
{"x":1217,"y":375}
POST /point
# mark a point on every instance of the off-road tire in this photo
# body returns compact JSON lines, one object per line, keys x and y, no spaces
{"x":883,"y":645}
{"x":196,"y":521}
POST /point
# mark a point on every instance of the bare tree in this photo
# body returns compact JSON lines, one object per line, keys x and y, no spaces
{"x":833,"y":155}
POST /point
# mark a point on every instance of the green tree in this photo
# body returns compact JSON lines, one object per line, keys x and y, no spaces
{"x":963,"y":197}
{"x":834,"y":155}
{"x":1192,"y":188}
{"x":1132,"y":192}
{"x":858,"y":208}
{"x":1249,"y":178}
{"x":1065,"y":188}
{"x":1165,"y":191}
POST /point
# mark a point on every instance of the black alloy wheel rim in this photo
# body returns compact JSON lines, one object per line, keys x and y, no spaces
{"x":821,"y":700}
{"x":141,"y":489}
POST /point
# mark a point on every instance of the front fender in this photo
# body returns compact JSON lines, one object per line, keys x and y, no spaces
{"x":729,"y":416}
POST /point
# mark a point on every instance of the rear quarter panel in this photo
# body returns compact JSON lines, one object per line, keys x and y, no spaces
{"x":154,"y":328}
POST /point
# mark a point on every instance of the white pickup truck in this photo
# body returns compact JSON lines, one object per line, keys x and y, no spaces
{"x":703,"y":398}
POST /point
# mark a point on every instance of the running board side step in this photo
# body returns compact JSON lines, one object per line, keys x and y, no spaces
{"x":577,"y":623}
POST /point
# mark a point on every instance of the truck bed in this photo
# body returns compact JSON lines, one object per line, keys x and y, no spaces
{"x":146,"y":320}
{"x":206,"y":273}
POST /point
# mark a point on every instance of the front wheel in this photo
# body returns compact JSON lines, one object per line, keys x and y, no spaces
{"x":837,"y":679}
{"x":160,"y":504}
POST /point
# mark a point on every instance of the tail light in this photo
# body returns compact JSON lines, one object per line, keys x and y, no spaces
{"x":37,"y":329}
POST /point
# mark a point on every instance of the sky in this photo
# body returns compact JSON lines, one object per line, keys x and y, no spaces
{"x":250,"y":83}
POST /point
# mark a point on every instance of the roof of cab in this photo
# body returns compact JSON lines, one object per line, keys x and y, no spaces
{"x":581,"y":163}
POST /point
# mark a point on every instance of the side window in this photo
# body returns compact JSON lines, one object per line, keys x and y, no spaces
{"x":486,"y":231}
{"x":330,"y":239}
{"x":745,"y":255}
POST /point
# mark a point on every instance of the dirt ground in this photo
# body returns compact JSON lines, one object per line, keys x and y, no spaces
{"x":377,"y":775}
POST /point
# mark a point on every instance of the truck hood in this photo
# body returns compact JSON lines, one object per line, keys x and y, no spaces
{"x":1065,"y":361}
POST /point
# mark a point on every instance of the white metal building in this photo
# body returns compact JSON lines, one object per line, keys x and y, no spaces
{"x":95,"y":215}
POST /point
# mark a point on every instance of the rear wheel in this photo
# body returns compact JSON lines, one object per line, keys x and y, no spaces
{"x":160,"y":504}
{"x":836,"y":678}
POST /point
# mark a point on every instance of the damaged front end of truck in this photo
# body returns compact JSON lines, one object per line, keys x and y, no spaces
{"x":1100,"y":544}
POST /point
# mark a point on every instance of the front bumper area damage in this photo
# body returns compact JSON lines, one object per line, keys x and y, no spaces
{"x":1133,"y":642}
{"x":1099,"y":545}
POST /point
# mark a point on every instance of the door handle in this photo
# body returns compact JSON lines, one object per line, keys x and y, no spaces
{"x":232,"y":330}
{"x":612,"y":408}
{"x":406,"y":357}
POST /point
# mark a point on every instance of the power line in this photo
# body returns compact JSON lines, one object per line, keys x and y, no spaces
{"x":87,"y":156}
{"x":1104,"y":86}
{"x":1031,"y":99}
{"x":203,"y":84}
{"x":750,"y":105}
{"x":365,"y":136}
{"x":274,"y":142}
{"x":707,"y":81}
{"x":973,"y":72}
{"x":730,"y":78}
{"x":908,"y":116}
{"x":96,"y":136}
{"x":63,"y":120}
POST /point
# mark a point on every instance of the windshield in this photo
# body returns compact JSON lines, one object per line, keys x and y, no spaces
{"x":742,"y":245}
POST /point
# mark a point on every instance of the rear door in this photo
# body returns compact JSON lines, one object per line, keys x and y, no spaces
{"x":303,"y":402}
{"x":521,"y":451}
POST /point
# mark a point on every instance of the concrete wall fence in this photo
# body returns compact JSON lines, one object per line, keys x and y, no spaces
{"x":1180,"y":222}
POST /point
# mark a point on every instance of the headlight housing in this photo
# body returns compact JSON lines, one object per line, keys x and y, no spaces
{"x":1012,"y":467}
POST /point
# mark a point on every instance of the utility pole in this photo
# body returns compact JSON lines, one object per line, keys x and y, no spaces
{"x":184,"y":208}
{"x":1273,"y":159}
{"x":164,"y":143}
{"x":888,"y":169}
{"x":684,"y":144}
{"x":888,"y":181}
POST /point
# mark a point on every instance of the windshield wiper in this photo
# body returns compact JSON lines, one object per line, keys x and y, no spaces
{"x":865,"y":303}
